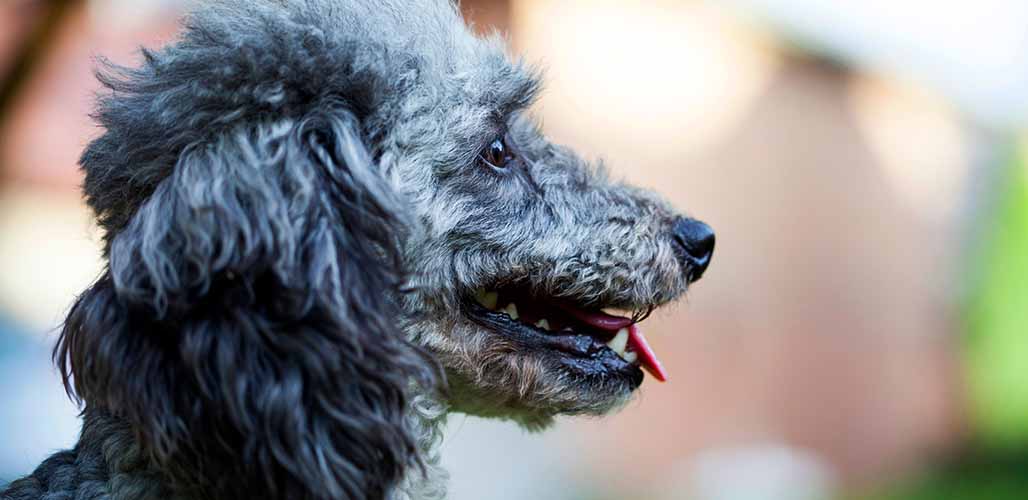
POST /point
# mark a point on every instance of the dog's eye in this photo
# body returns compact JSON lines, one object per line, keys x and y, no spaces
{"x":497,"y":154}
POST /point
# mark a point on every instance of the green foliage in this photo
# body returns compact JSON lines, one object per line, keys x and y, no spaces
{"x":997,"y":320}
{"x":980,"y":475}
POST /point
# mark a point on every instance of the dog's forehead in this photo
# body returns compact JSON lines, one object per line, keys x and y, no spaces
{"x":450,"y":56}
{"x":466,"y":85}
{"x":387,"y":37}
{"x":493,"y":80}
{"x":475,"y":69}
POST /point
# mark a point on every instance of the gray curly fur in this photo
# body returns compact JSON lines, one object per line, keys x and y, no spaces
{"x":293,"y":212}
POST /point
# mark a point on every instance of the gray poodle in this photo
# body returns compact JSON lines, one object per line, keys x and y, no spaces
{"x":329,"y":223}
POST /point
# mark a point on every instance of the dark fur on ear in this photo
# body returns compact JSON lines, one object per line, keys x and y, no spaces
{"x":245,"y":327}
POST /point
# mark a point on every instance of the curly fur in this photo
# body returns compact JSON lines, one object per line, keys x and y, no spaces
{"x":293,"y":212}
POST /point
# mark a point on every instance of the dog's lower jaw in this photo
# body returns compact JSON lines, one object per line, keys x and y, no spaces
{"x":465,"y":396}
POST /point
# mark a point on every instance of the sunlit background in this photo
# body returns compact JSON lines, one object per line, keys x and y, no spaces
{"x":861,"y":332}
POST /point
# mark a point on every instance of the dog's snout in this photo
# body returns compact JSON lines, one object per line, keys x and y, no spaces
{"x":694,"y":243}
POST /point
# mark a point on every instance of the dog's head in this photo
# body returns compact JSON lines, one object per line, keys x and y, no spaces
{"x":522,"y":249}
{"x":311,"y":205}
{"x":520,"y":245}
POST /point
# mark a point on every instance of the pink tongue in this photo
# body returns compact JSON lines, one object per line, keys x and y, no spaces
{"x":646,"y":355}
{"x":636,"y":341}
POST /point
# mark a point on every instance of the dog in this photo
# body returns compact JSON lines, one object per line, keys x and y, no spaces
{"x":328,"y":224}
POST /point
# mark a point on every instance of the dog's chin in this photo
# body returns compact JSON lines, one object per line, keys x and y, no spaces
{"x":530,"y":358}
{"x":534,"y":386}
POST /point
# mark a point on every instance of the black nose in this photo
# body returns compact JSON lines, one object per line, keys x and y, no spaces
{"x":695,"y":245}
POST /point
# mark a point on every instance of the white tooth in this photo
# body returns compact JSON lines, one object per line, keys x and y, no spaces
{"x":511,"y":310}
{"x":545,"y":325}
{"x":616,"y":312}
{"x":618,"y":343}
{"x":487,"y":299}
{"x":630,"y":356}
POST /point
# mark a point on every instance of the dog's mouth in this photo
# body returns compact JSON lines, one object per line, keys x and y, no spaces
{"x":591,"y":340}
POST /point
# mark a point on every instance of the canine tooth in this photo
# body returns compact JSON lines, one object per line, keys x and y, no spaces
{"x":618,"y":343}
{"x":512,"y":311}
{"x":545,"y":325}
{"x":616,"y":312}
{"x":630,"y":356}
{"x":487,"y":299}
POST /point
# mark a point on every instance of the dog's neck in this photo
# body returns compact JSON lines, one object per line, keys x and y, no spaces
{"x":427,"y":418}
{"x":108,"y":463}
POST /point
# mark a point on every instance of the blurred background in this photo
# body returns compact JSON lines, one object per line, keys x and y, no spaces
{"x":861,"y":333}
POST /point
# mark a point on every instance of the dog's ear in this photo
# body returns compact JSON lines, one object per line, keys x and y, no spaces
{"x":247,"y":323}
